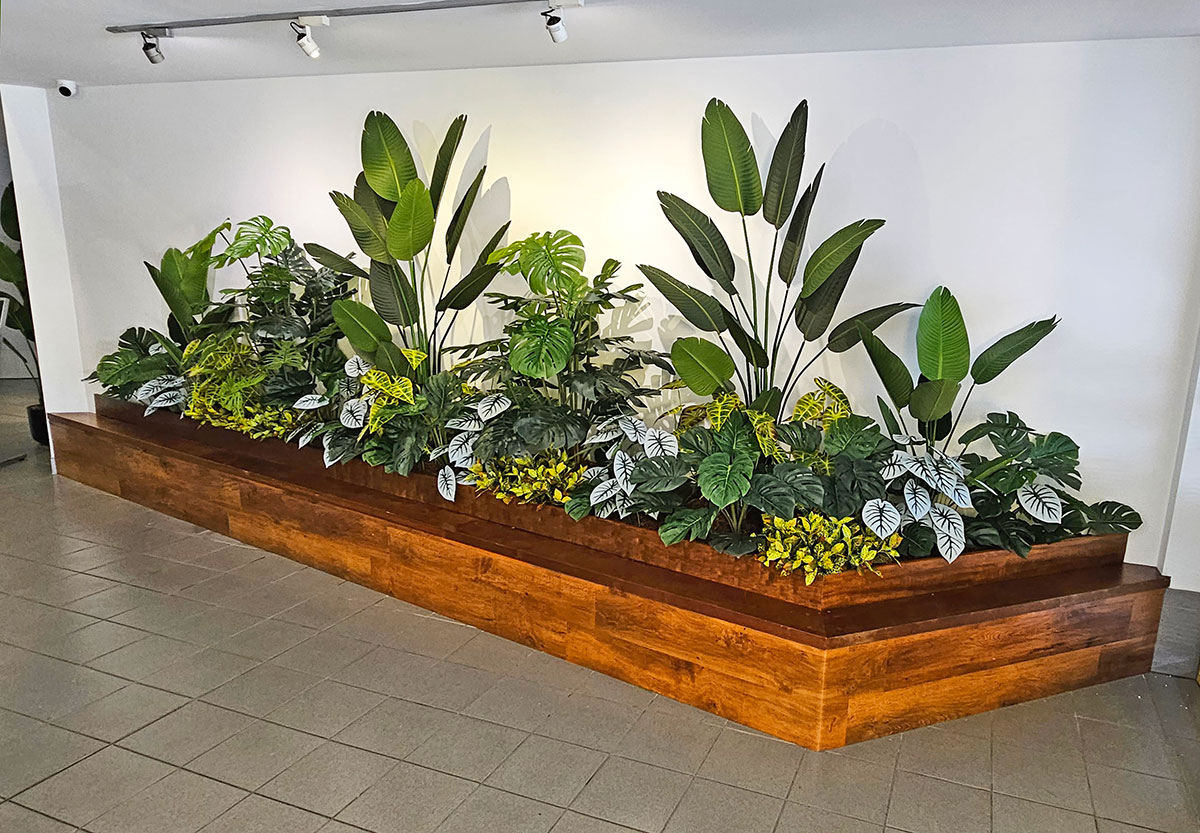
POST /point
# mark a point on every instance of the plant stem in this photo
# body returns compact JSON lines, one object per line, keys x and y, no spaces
{"x":787,"y":385}
{"x":769,"y":371}
{"x":753,"y":292}
{"x":954,"y":426}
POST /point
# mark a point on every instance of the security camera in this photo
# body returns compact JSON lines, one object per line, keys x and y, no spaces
{"x":67,"y":89}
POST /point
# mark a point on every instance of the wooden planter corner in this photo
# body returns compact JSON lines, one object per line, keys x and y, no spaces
{"x":846,"y":659}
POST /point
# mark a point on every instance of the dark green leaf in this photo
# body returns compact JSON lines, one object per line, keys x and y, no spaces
{"x":659,"y":474}
{"x":441,"y":167}
{"x":703,"y":239}
{"x":1109,"y":516}
{"x":814,"y":313}
{"x":367,"y":226}
{"x":729,"y":162}
{"x":703,"y":366}
{"x":793,"y":242}
{"x":386,"y":159}
{"x":390,"y":360}
{"x":932,"y":399}
{"x":830,"y":254}
{"x":393,"y":295}
{"x":845,"y":335}
{"x":895,"y":376}
{"x":332,"y":260}
{"x":699,"y":308}
{"x":172,"y":293}
{"x":725,"y":478}
{"x":806,"y":487}
{"x":458,"y":221}
{"x":736,"y":544}
{"x":8,"y":214}
{"x":889,"y":418}
{"x":541,"y":347}
{"x":943,"y":351}
{"x":361,"y":324}
{"x":686,"y":524}
{"x":771,"y":496}
{"x":748,"y":344}
{"x":787,"y":163}
{"x":856,"y":436}
{"x":995,"y":360}
{"x":769,"y":402}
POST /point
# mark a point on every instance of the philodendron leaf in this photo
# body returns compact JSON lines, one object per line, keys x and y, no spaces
{"x":659,"y":443}
{"x":917,"y":499}
{"x":361,"y":324}
{"x":1041,"y":502}
{"x":686,"y":524}
{"x":814,"y":313}
{"x":932,"y":399}
{"x":943,"y":350}
{"x":881,"y":517}
{"x":703,"y":239}
{"x":805,"y":485}
{"x":1109,"y":516}
{"x":368,"y":227}
{"x":725,"y":478}
{"x":541,"y":347}
{"x":699,"y":308}
{"x":793,"y":242}
{"x":447,"y":483}
{"x":771,"y":495}
{"x":892,"y":372}
{"x":659,"y":474}
{"x":787,"y":163}
{"x":386,"y":159}
{"x":995,"y":360}
{"x":703,"y":366}
{"x":845,"y":335}
{"x":830,"y":254}
{"x":729,"y":163}
{"x":410,"y":230}
{"x":441,"y":167}
{"x":393,"y":294}
{"x":950,"y":531}
{"x":458,"y":221}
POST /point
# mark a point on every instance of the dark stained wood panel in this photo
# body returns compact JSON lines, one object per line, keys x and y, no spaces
{"x":869,"y":657}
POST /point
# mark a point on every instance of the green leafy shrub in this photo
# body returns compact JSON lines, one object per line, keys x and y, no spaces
{"x":817,"y":545}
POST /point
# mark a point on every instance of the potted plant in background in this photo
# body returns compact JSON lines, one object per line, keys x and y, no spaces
{"x":20,"y":319}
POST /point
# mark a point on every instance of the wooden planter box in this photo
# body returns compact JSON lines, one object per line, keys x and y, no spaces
{"x":845,"y":659}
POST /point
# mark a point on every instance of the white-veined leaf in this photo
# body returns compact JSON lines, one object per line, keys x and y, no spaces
{"x":438,"y":452}
{"x":908,"y":439}
{"x":605,"y":509}
{"x":492,"y":406}
{"x":604,"y":492}
{"x":604,"y":434}
{"x":881,"y":517}
{"x":633,"y":428}
{"x":462,"y":450}
{"x":310,"y":402}
{"x":896,"y":465}
{"x":354,"y":413}
{"x":960,"y":494}
{"x":356,"y":366}
{"x":659,"y":443}
{"x":947,"y":478}
{"x":916,"y":499}
{"x":1041,"y":502}
{"x":156,"y":349}
{"x":337,"y":447}
{"x":346,"y":387}
{"x":168,"y":399}
{"x":949,"y":530}
{"x":155,"y":386}
{"x":623,"y":504}
{"x":447,"y":483}
{"x":469,"y":422}
{"x":622,"y":466}
{"x":594,"y":475}
{"x":308,"y":436}
{"x":924,"y":468}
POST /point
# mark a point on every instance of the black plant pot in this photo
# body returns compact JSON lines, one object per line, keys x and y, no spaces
{"x":37,"y":424}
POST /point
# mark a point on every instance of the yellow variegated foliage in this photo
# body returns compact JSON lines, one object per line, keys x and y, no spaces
{"x":827,"y":404}
{"x":818,"y":545}
{"x":256,"y":420}
{"x":764,"y":432}
{"x":818,"y":461}
{"x":400,"y":389}
{"x":547,"y":478}
{"x":674,"y":384}
{"x":691,"y":416}
{"x":415,"y":357}
{"x":721,"y":408}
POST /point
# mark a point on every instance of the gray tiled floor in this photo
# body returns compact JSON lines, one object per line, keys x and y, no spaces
{"x":156,"y":677}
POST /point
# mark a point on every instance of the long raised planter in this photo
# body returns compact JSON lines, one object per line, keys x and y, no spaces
{"x":846,"y":659}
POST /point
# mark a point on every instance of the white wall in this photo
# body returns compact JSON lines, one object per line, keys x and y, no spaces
{"x":1032,"y":179}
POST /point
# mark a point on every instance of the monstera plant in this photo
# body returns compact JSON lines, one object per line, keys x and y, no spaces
{"x":774,"y":293}
{"x":393,"y":215}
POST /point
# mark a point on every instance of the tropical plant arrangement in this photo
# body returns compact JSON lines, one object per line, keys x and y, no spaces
{"x":563,"y":408}
{"x":20,"y":319}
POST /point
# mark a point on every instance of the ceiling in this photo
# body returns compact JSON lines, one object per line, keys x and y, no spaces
{"x":44,"y":40}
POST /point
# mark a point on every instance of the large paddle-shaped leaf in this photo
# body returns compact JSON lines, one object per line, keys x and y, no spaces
{"x":363,"y":327}
{"x":943,"y":351}
{"x":171,"y":291}
{"x":995,"y":360}
{"x":783,"y":178}
{"x":830,"y":254}
{"x":699,"y":308}
{"x":932,"y":399}
{"x":750,"y":346}
{"x":814,"y":313}
{"x":703,"y":238}
{"x":367,"y":226}
{"x":793,"y":242}
{"x":895,"y":376}
{"x":541,"y":347}
{"x":703,"y":366}
{"x":441,"y":167}
{"x":332,"y":260}
{"x":845,"y":335}
{"x":410,"y":230}
{"x":387,"y":161}
{"x":8,"y":214}
{"x":393,"y":295}
{"x":729,"y":163}
{"x":462,"y":211}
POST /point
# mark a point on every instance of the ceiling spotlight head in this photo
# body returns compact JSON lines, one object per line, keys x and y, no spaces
{"x":305,"y":40}
{"x":554,"y":24}
{"x":151,"y":49}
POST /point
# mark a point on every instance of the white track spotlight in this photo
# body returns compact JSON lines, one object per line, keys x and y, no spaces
{"x":305,"y":41}
{"x":151,"y":49}
{"x":554,"y":24}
